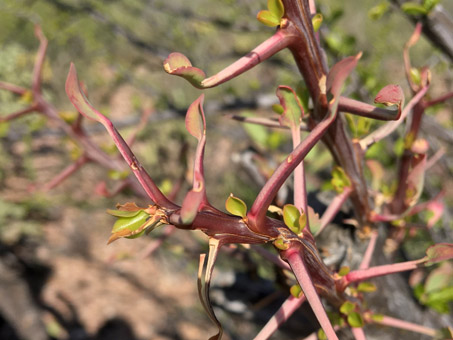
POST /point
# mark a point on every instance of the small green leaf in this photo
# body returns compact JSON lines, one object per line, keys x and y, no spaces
{"x":430,"y":4}
{"x":412,"y":8}
{"x":236,"y":206}
{"x":378,"y":11}
{"x":276,"y":8}
{"x":292,"y":108}
{"x":268,"y":18}
{"x":355,"y":320}
{"x":296,"y":291}
{"x":317,"y":21}
{"x":339,"y":179}
{"x":293,"y":219}
{"x":321,"y":335}
{"x":277,"y":108}
{"x":130,"y":223}
{"x":344,"y":271}
{"x":118,"y":175}
{"x":366,"y":287}
{"x":415,"y":76}
{"x":347,"y":307}
{"x":281,"y":244}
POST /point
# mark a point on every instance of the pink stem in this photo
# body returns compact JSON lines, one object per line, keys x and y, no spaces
{"x":281,"y":316}
{"x":388,"y":128}
{"x":440,"y":99}
{"x":266,"y":195}
{"x":366,"y":110}
{"x":303,"y":277}
{"x":333,"y":208}
{"x":365,"y":264}
{"x":40,"y":57}
{"x":18,"y":114}
{"x":358,"y":333}
{"x":12,"y":88}
{"x":396,"y":323}
{"x":300,"y":191}
{"x":369,"y":273}
{"x":68,"y":171}
{"x":280,"y":40}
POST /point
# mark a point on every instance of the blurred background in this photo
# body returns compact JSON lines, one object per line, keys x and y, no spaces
{"x":58,"y":279}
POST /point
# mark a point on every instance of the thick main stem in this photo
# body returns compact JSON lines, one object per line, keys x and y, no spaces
{"x":311,"y":63}
{"x":297,"y":264}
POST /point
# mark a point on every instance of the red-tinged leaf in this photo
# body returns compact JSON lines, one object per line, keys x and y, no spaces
{"x":420,"y":146}
{"x":276,"y":7}
{"x":195,"y":119}
{"x":439,"y":252}
{"x":415,"y":36}
{"x":390,"y":95}
{"x":314,"y":220}
{"x":179,"y":65}
{"x":268,"y":18}
{"x":81,"y":103}
{"x":339,"y":72}
{"x":415,"y":179}
{"x":292,"y":107}
{"x":436,"y":208}
{"x":191,"y":205}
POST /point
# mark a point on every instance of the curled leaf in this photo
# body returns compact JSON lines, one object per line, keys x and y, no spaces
{"x":273,"y":15}
{"x":179,"y":65}
{"x":292,"y":107}
{"x":316,"y":21}
{"x":236,"y":206}
{"x":439,"y":252}
{"x":391,"y":95}
{"x":195,"y":120}
{"x":293,"y":219}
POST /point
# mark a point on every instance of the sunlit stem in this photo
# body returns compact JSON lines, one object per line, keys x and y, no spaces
{"x":369,"y":251}
{"x":396,"y":323}
{"x":280,"y":40}
{"x":281,"y":316}
{"x":300,"y":191}
{"x":366,"y":274}
{"x":297,"y":264}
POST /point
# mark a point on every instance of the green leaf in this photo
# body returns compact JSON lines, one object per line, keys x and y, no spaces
{"x":412,"y":8}
{"x":344,"y":271}
{"x":378,"y":11}
{"x":439,"y":252}
{"x":321,"y":335}
{"x":339,"y":179}
{"x":277,"y":108}
{"x":281,"y":244}
{"x":122,"y":213}
{"x":415,"y":76}
{"x":316,"y":21}
{"x":355,"y":320}
{"x":236,"y":206}
{"x":366,"y":287}
{"x":296,"y":291}
{"x":268,"y":18}
{"x":430,"y":4}
{"x":347,"y":307}
{"x":292,"y":107}
{"x":293,"y":219}
{"x":179,"y":65}
{"x":131,"y":223}
{"x":276,"y":8}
